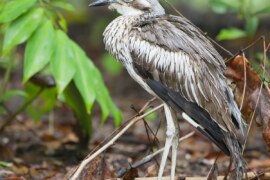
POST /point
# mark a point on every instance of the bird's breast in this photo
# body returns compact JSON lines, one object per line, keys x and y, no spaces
{"x":116,"y":38}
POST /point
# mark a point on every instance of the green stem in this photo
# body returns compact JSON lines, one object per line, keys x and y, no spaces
{"x":20,"y":110}
{"x":7,"y":76}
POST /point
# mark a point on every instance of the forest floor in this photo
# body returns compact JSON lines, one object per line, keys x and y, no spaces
{"x":39,"y":151}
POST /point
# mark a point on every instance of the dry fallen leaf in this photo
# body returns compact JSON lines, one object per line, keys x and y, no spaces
{"x":236,"y":72}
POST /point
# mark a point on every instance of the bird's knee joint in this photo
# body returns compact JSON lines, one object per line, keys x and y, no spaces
{"x":171,"y":132}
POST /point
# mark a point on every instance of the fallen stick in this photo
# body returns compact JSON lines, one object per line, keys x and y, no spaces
{"x":150,"y":157}
{"x":251,"y":175}
{"x":110,"y":143}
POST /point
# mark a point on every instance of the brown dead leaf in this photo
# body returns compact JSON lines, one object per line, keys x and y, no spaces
{"x":236,"y":72}
{"x":266,"y":136}
{"x":259,"y":163}
{"x":13,"y":177}
{"x":132,"y":174}
{"x":96,"y":169}
{"x":6,"y":153}
{"x":51,"y":142}
{"x":20,"y":169}
{"x":152,"y":170}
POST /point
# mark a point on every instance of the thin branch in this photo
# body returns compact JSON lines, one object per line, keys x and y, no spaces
{"x":147,"y":128}
{"x":213,"y":168}
{"x":247,"y":47}
{"x":20,"y":110}
{"x":147,"y":104}
{"x":111,"y":142}
{"x":245,"y":81}
{"x":250,"y":175}
{"x":268,"y":47}
{"x":150,"y":157}
{"x":172,"y":6}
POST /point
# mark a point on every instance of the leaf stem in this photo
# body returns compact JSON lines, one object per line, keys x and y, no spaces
{"x":20,"y":110}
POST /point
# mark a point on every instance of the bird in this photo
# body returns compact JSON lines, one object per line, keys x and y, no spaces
{"x":174,"y":61}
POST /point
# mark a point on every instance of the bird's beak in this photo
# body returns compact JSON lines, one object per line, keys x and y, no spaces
{"x":100,"y":3}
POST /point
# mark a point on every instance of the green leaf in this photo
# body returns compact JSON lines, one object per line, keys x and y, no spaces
{"x":5,"y":164}
{"x":21,"y":29}
{"x":14,"y":8}
{"x":221,"y":6}
{"x":39,"y":50}
{"x":11,"y":93}
{"x":63,"y":65}
{"x":62,"y":22}
{"x":111,"y":65}
{"x":43,"y":104}
{"x":84,"y":76}
{"x":151,"y":116}
{"x":230,"y":34}
{"x":104,"y":99}
{"x":252,"y":24}
{"x":75,"y":101}
{"x":263,"y":11}
{"x":63,"y":5}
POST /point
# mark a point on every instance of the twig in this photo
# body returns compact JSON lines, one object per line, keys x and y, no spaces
{"x":146,"y":105}
{"x":247,"y":47}
{"x":250,"y":175}
{"x":245,"y":81}
{"x":150,"y":157}
{"x":213,"y":168}
{"x":111,"y":142}
{"x":122,"y":126}
{"x":20,"y":110}
{"x":268,"y":47}
{"x":147,"y":128}
{"x":172,"y":6}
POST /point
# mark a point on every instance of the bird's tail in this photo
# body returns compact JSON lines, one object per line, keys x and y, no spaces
{"x":235,"y":149}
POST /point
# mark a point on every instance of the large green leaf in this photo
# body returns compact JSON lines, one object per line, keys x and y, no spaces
{"x":104,"y":99}
{"x":22,"y":28}
{"x":84,"y":76}
{"x":73,"y":98}
{"x":230,"y":34}
{"x":42,"y":104}
{"x":63,"y":65}
{"x":39,"y":50}
{"x":14,"y":8}
{"x":264,"y":10}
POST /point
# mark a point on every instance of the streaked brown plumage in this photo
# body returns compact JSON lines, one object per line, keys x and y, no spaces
{"x":173,"y":60}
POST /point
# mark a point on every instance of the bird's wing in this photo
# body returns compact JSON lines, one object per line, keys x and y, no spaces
{"x":182,"y":67}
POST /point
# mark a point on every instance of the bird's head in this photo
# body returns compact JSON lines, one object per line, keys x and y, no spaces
{"x":132,"y":7}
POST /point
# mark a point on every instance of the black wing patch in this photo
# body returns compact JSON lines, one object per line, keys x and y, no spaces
{"x":177,"y":102}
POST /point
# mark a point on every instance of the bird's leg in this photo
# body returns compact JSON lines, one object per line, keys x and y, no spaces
{"x":175,"y":143}
{"x":171,"y":140}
